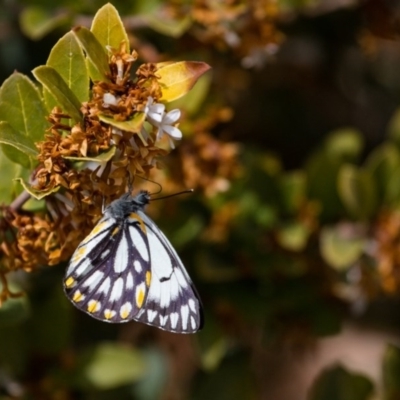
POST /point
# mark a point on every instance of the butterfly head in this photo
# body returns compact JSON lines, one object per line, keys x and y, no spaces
{"x":127,"y":204}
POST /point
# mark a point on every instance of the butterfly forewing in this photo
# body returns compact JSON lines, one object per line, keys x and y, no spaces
{"x":127,"y":269}
{"x":108,"y":276}
{"x":172,"y":303}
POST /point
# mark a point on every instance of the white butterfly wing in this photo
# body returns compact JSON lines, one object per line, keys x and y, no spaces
{"x":172,"y":303}
{"x":108,"y":276}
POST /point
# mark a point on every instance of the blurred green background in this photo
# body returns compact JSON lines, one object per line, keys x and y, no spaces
{"x":292,"y":236}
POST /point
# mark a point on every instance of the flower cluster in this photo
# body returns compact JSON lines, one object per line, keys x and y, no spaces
{"x":78,"y":193}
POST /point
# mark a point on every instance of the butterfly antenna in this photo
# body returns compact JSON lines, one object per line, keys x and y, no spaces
{"x":174,"y":194}
{"x":156,"y":183}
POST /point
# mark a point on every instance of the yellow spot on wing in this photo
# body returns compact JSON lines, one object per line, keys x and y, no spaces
{"x":142,"y":225}
{"x":148,"y":278}
{"x":124,"y":312}
{"x":93,"y":306}
{"x":95,"y":231}
{"x":69,"y":282}
{"x":140,"y":297}
{"x":78,"y":296}
{"x":79,"y":253}
{"x":108,"y":314}
{"x":115,"y":231}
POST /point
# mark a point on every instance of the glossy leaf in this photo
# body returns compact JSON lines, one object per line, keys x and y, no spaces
{"x":67,"y":58}
{"x":192,"y":101}
{"x":340,"y":246}
{"x":357,"y":191}
{"x":176,"y":79}
{"x":99,"y":69}
{"x":337,"y":383}
{"x":22,"y":107}
{"x":56,"y":85}
{"x":108,"y":28}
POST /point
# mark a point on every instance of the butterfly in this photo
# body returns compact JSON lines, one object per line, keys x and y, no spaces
{"x":126,"y":269}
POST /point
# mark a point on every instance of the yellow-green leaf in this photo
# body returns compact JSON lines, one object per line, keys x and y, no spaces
{"x":37,"y":194}
{"x":293,"y":236}
{"x":9,"y":188}
{"x":169,"y":27}
{"x":133,"y":125}
{"x":36,"y":22}
{"x":176,"y":79}
{"x":108,"y":28}
{"x":103,"y":157}
{"x":22,"y":107}
{"x":112,"y":365}
{"x":99,"y":69}
{"x":11,"y":137}
{"x":357,"y":190}
{"x":56,"y":85}
{"x":67,"y":58}
{"x":340,"y":247}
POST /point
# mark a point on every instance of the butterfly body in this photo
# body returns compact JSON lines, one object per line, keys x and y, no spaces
{"x":126,"y":269}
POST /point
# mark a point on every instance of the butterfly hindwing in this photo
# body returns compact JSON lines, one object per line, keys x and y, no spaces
{"x":172,"y":303}
{"x":108,"y":276}
{"x":127,"y":269}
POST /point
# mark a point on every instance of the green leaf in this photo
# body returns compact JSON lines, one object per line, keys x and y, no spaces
{"x":9,"y":188}
{"x":391,"y":373}
{"x":346,"y":144}
{"x":384,"y":164}
{"x":67,"y":58}
{"x":99,"y":69}
{"x":111,"y":365}
{"x":394,"y":128}
{"x":293,"y":191}
{"x":341,"y":245}
{"x":293,"y":236}
{"x":170,"y":27}
{"x":11,"y":137}
{"x":37,"y":194}
{"x":56,"y":85}
{"x":17,"y":147}
{"x":322,"y":170}
{"x":357,"y":191}
{"x":14,"y":310}
{"x":337,"y":383}
{"x":133,"y":125}
{"x":108,"y":28}
{"x":22,"y":107}
{"x":103,"y":157}
{"x":36,"y":22}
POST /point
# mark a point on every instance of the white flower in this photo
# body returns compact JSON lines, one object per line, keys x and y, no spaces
{"x":164,"y":122}
{"x":166,"y":126}
{"x":109,"y":100}
{"x":154,"y":111}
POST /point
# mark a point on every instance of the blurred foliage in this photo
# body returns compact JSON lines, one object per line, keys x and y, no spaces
{"x":292,"y":145}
